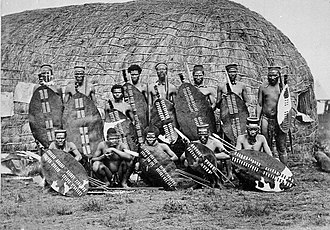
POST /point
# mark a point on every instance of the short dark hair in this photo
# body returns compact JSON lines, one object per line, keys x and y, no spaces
{"x":117,"y":86}
{"x":134,"y":67}
{"x":112,"y":131}
{"x":151,"y":129}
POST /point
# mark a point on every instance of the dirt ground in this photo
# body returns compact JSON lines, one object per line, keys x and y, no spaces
{"x":25,"y":205}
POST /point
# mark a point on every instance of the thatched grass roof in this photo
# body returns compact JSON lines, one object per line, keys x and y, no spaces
{"x":109,"y":37}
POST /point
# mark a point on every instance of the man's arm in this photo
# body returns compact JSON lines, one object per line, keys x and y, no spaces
{"x":239,"y":142}
{"x":259,"y":104}
{"x":67,"y":94}
{"x":266,"y":146}
{"x":169,"y":152}
{"x":98,"y":155}
{"x":120,"y":152}
{"x":75,"y":151}
{"x":92,"y":94}
{"x":219,"y":94}
{"x":245,"y":96}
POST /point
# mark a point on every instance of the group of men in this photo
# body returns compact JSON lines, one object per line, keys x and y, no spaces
{"x":113,"y":158}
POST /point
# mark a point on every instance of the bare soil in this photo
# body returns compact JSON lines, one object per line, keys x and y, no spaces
{"x":25,"y":205}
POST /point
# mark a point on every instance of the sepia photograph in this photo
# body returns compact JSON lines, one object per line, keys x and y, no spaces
{"x":165,"y":114}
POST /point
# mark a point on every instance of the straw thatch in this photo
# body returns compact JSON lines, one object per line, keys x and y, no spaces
{"x":110,"y":37}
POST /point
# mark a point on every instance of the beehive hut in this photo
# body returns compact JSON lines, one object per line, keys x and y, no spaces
{"x":109,"y":37}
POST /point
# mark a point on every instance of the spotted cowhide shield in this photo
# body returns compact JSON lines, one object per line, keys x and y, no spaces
{"x":193,"y":109}
{"x":64,"y":174}
{"x":45,"y":114}
{"x":83,"y":123}
{"x":262,"y":171}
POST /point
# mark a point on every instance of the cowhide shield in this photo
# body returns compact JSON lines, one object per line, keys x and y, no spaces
{"x":123,"y":126}
{"x":263,"y":171}
{"x":164,"y":118}
{"x":83,"y":123}
{"x":201,"y":159}
{"x":233,"y":114}
{"x":157,"y":172}
{"x":138,"y":103}
{"x":45,"y":114}
{"x":193,"y":109}
{"x":284,"y":110}
{"x":64,"y":174}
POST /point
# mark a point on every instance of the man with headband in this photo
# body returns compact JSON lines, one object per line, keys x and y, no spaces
{"x":268,"y":96}
{"x":166,"y":90}
{"x":62,"y":144}
{"x":252,"y":139}
{"x":209,"y":92}
{"x":80,"y":85}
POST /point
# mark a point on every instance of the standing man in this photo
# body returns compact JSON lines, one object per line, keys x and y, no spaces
{"x":268,"y":96}
{"x":236,"y":87}
{"x":46,"y":77}
{"x":166,"y":90}
{"x":209,"y":92}
{"x":252,"y":139}
{"x":61,"y":143}
{"x":80,"y":85}
{"x":119,"y":103}
{"x":110,"y":158}
{"x":135,"y":72}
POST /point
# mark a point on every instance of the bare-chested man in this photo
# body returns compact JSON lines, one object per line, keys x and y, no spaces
{"x":215,"y":145}
{"x":252,"y":139}
{"x":209,"y":92}
{"x":135,"y":72}
{"x":119,"y":103}
{"x":110,"y":158}
{"x":161,"y":151}
{"x":80,"y":85}
{"x":268,"y":96}
{"x":62,"y":144}
{"x":166,"y":90}
{"x":236,"y":87}
{"x":46,"y":77}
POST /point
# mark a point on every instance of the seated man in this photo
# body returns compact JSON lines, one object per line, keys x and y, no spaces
{"x":61,"y":143}
{"x":161,"y":150}
{"x":253,"y":140}
{"x":111,"y":157}
{"x":216,"y":146}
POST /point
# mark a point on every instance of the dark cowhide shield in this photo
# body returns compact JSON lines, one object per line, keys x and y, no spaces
{"x":262,"y":171}
{"x":156,"y":170}
{"x":164,"y":118}
{"x":83,"y":123}
{"x":201,"y":160}
{"x":45,"y":114}
{"x":138,"y":103}
{"x":123,"y":126}
{"x":233,"y":116}
{"x":64,"y":174}
{"x":192,"y":109}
